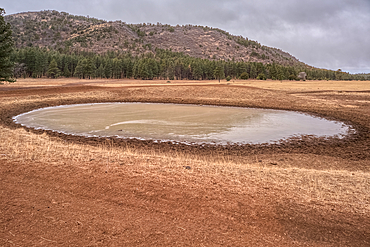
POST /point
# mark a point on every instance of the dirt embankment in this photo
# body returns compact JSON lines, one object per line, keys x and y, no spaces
{"x":64,"y":190}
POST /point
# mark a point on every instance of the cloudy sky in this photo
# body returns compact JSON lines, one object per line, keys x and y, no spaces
{"x":332,"y":34}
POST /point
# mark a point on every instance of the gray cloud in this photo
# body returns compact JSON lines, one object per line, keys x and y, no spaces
{"x":324,"y":33}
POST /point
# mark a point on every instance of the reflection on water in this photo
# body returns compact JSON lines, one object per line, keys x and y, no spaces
{"x":180,"y":123}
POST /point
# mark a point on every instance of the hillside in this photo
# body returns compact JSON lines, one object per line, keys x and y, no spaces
{"x":62,"y":31}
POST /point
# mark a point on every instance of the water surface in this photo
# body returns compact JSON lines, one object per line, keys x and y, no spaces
{"x":180,"y":123}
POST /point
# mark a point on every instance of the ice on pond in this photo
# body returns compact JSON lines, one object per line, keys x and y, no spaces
{"x":180,"y":123}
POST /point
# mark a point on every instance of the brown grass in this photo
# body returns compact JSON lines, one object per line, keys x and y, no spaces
{"x":318,"y":85}
{"x":330,"y":186}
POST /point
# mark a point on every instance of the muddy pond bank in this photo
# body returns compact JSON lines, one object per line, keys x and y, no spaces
{"x":353,"y":147}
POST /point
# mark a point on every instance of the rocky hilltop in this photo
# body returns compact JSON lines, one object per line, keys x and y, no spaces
{"x":62,"y":31}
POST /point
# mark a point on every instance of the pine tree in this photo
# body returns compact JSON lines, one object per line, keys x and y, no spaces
{"x":67,"y":72}
{"x":39,"y":64}
{"x":116,"y":68}
{"x":163,"y":68}
{"x":197,"y":71}
{"x":89,"y":68}
{"x":30,"y":61}
{"x":280,"y":74}
{"x":79,"y":70}
{"x":241,"y":68}
{"x":135,"y":70}
{"x":53,"y":70}
{"x":100,"y":71}
{"x":273,"y":72}
{"x":178,"y":69}
{"x":253,"y":71}
{"x":6,"y":48}
{"x":108,"y":68}
{"x":153,"y":68}
{"x":219,"y":73}
{"x":171,"y":71}
{"x":143,"y":70}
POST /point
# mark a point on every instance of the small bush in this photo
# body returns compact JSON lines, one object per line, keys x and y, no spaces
{"x":244,"y":76}
{"x":261,"y":76}
{"x":228,"y":78}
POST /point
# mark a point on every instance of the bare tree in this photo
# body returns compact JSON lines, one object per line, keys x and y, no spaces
{"x":19,"y":70}
{"x":302,"y":75}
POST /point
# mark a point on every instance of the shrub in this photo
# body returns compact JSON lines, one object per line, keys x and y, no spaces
{"x":244,"y":76}
{"x":228,"y":78}
{"x":261,"y":76}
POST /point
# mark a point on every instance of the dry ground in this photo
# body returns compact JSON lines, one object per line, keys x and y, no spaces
{"x":58,"y":190}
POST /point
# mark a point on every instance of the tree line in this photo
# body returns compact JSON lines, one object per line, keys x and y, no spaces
{"x":163,"y":64}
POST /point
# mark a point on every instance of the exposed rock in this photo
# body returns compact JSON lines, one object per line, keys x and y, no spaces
{"x":62,"y":31}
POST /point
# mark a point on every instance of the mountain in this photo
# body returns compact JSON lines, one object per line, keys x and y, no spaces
{"x":62,"y":31}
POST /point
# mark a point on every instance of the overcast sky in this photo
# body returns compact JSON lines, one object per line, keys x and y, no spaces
{"x":331,"y":34}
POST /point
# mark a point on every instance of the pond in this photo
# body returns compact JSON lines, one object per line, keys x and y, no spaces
{"x":180,"y":123}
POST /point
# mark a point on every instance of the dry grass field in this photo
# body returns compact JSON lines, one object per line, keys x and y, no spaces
{"x":58,"y":190}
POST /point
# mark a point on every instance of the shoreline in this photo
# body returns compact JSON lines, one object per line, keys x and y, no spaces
{"x":350,"y":147}
{"x":350,"y":130}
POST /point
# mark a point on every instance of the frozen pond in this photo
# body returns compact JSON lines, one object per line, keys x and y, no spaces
{"x":180,"y":123}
